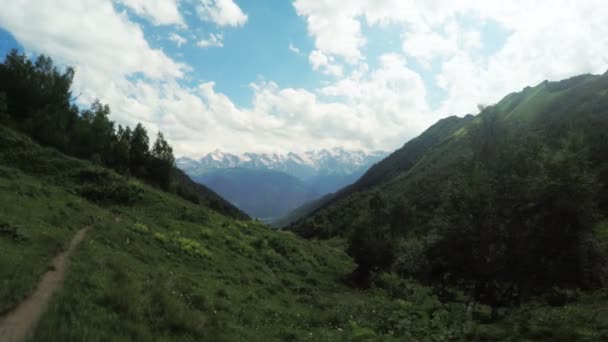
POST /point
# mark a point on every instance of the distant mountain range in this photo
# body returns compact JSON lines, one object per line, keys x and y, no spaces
{"x":290,"y":179}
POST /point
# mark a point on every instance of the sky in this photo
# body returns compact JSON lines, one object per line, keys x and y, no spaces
{"x":281,"y":75}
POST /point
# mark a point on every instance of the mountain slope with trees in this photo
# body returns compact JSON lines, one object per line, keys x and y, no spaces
{"x":504,"y":205}
{"x":35,"y":98}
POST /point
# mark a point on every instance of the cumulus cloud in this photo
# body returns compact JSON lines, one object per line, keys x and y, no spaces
{"x":547,"y":40}
{"x":214,"y":40}
{"x":159,"y":12}
{"x":326,"y":64}
{"x":104,"y":59}
{"x":177,"y":39}
{"x":334,"y":26}
{"x":221,"y":12}
{"x":369,"y":102}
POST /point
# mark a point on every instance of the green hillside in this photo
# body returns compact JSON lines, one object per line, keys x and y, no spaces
{"x":484,"y":228}
{"x":547,"y":111}
{"x":505,"y":206}
{"x":157,"y":267}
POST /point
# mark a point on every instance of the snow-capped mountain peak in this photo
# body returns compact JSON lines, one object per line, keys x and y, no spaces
{"x":305,"y":165}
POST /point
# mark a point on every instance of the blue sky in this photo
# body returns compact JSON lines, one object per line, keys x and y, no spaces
{"x":277,"y":76}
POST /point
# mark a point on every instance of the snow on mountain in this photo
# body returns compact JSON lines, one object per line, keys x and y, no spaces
{"x":310,"y":164}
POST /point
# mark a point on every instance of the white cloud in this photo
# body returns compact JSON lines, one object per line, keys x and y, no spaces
{"x":221,"y":12}
{"x":177,"y":39}
{"x":104,"y":59}
{"x":326,"y":64}
{"x":294,"y":49}
{"x":70,"y":30}
{"x":365,"y":105}
{"x":548,"y":40}
{"x":160,"y":12}
{"x":214,"y":40}
{"x":334,"y":27}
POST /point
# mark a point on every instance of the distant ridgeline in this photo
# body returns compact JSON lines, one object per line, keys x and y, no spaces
{"x":507,"y":203}
{"x":35,"y":98}
{"x":269,"y":186}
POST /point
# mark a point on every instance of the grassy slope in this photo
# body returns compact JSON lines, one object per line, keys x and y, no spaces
{"x":165,"y":269}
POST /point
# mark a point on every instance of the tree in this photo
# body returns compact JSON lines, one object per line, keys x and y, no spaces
{"x":38,"y":97}
{"x":139,"y":151}
{"x":162,"y":162}
{"x":3,"y":107}
{"x":371,"y":242}
{"x":102,"y":132}
{"x":121,"y":149}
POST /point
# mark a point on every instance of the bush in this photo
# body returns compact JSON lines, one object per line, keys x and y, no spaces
{"x":192,"y":247}
{"x":114,"y":193}
{"x":411,"y":258}
{"x":3,"y":107}
{"x":557,"y":296}
{"x":11,"y":232}
{"x":140,"y":228}
{"x":102,"y":186}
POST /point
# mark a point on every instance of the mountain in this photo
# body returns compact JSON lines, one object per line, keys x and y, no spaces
{"x":398,"y":161}
{"x":549,"y":107}
{"x":310,"y":166}
{"x":486,"y":201}
{"x":263,"y":194}
{"x":492,"y":228}
{"x":286,"y":181}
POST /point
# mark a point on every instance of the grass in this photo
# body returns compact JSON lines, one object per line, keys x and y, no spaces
{"x":158,"y":268}
{"x":36,"y":222}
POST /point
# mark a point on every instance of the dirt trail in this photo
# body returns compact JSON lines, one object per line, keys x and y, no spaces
{"x":17,"y":324}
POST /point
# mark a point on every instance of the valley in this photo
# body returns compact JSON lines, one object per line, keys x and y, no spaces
{"x":303,"y":171}
{"x":270,"y":186}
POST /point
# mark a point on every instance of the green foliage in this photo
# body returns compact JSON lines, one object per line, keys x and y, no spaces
{"x":3,"y":107}
{"x":161,"y":163}
{"x":140,"y":228}
{"x":101,"y":186}
{"x":35,"y":98}
{"x":501,"y":206}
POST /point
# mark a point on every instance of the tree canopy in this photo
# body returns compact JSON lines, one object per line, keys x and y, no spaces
{"x":35,"y":97}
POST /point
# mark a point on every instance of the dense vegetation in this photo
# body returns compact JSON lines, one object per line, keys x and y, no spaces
{"x":503,"y":206}
{"x":156,"y":267}
{"x":163,"y":266}
{"x":35,"y":98}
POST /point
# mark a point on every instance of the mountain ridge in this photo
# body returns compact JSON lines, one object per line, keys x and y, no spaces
{"x":290,"y":180}
{"x":304,"y":165}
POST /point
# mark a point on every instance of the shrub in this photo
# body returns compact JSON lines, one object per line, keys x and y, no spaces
{"x":206,"y":233}
{"x":192,"y":247}
{"x":103,"y":186}
{"x":115,"y":193}
{"x":238,"y":246}
{"x":160,"y":237}
{"x":411,"y":258}
{"x":140,"y":228}
{"x":559,"y":297}
{"x":11,"y":232}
